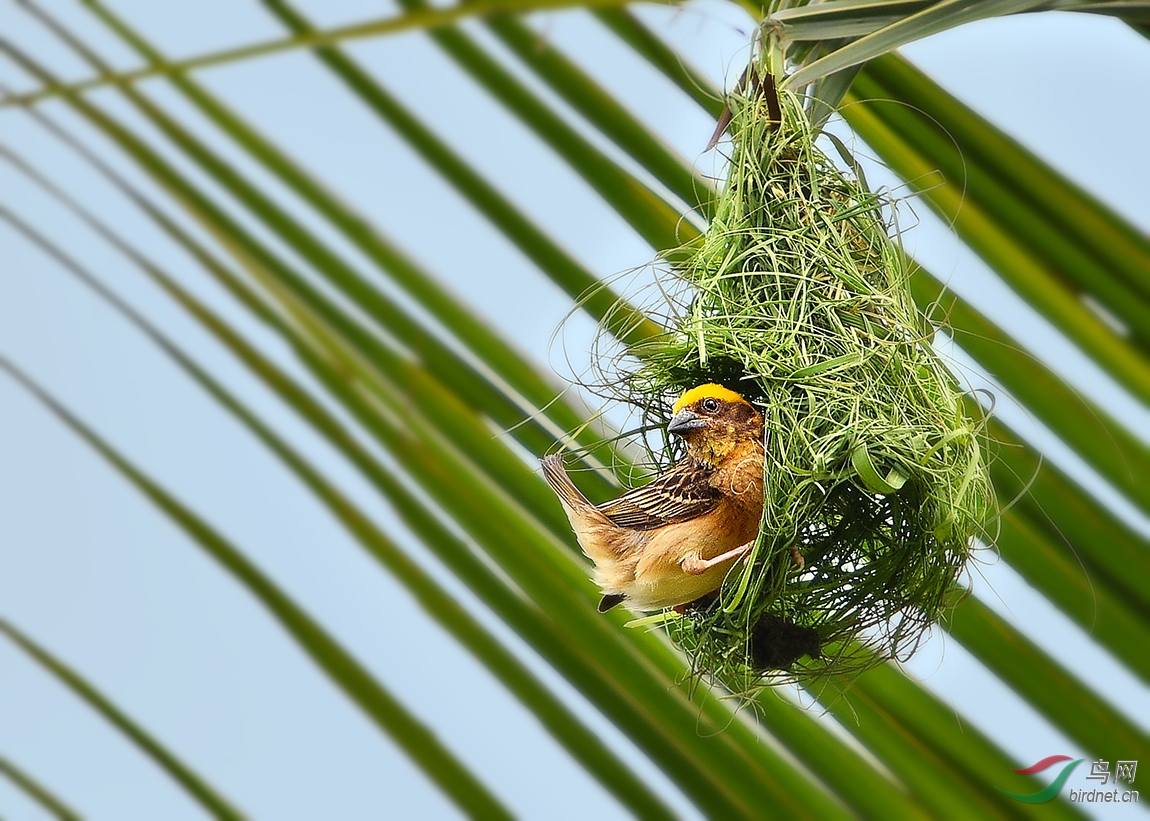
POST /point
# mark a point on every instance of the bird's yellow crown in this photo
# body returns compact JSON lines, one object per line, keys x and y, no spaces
{"x":702,"y":392}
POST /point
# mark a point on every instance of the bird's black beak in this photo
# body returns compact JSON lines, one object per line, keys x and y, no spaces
{"x":684,"y":422}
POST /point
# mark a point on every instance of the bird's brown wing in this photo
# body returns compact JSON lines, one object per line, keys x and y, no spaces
{"x":681,"y":493}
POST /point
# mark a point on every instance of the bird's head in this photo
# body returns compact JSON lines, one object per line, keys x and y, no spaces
{"x":714,"y":421}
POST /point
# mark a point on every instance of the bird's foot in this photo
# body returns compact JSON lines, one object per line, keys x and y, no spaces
{"x":693,"y":565}
{"x":800,"y":563}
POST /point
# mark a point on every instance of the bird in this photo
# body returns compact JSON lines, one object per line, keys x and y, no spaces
{"x":672,"y":541}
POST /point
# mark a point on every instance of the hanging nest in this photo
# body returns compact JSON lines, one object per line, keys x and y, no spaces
{"x":797,"y":298}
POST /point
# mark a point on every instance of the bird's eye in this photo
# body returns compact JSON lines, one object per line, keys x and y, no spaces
{"x":710,"y":405}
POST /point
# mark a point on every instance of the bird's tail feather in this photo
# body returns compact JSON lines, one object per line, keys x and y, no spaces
{"x":556,"y":476}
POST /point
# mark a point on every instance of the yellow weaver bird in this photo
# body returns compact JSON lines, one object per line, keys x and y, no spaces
{"x":672,"y":541}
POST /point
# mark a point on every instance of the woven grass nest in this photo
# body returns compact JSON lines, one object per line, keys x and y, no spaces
{"x":797,"y":297}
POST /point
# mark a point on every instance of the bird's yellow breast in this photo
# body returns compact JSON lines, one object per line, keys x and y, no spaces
{"x":651,"y":575}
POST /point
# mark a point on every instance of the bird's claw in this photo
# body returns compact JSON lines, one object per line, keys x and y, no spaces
{"x":800,"y":563}
{"x":693,"y":565}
